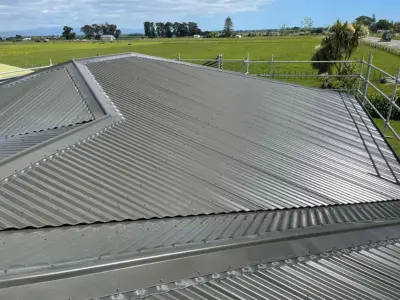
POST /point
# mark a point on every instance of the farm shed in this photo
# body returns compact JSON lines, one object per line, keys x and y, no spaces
{"x":107,"y":38}
{"x":132,"y":176}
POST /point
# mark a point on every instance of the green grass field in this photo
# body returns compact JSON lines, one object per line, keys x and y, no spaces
{"x":28,"y":54}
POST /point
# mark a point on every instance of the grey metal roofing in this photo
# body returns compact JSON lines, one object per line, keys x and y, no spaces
{"x":13,"y":145}
{"x":41,"y":101}
{"x":45,"y":249}
{"x":197,"y":141}
{"x":367,"y":272}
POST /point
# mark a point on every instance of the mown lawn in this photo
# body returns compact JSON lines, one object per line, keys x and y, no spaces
{"x":392,"y":140}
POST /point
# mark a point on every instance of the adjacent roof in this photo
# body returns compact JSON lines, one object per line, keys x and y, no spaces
{"x":131,"y":176}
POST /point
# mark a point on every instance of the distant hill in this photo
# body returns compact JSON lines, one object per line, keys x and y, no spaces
{"x":53,"y":31}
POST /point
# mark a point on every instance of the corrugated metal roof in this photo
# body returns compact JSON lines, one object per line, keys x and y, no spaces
{"x":368,"y":272}
{"x":39,"y":102}
{"x":51,"y":247}
{"x":198,"y":141}
{"x":12,"y":145}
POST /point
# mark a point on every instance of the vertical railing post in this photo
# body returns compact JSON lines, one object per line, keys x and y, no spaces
{"x":247,"y":63}
{"x":51,"y":62}
{"x":179,"y":57}
{"x":367,"y":78}
{"x":392,"y":100}
{"x":360,"y":77}
{"x":271,"y":71}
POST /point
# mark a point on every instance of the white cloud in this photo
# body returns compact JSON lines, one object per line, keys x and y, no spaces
{"x":25,"y":14}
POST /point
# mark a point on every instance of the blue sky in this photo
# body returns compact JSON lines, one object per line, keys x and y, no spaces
{"x":210,"y":14}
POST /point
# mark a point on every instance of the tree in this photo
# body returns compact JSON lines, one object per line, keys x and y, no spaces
{"x":307,"y":23}
{"x":176,"y":29}
{"x":88,"y":31}
{"x":18,"y":37}
{"x":383,"y":24}
{"x":193,"y":28}
{"x":228,"y":27}
{"x":68,"y":34}
{"x":160,"y":29}
{"x":118,"y":33}
{"x":146,"y":26}
{"x":364,"y":20}
{"x":1,"y":38}
{"x":339,"y":44}
{"x":168,"y":29}
{"x":152,"y":30}
{"x":283,"y":29}
{"x":396,"y":27}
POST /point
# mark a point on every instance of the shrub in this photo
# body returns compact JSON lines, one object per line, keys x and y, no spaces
{"x":382,"y":105}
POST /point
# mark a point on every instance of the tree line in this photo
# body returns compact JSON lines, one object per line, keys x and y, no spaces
{"x":169,"y":29}
{"x":375,"y":25}
{"x":93,"y":31}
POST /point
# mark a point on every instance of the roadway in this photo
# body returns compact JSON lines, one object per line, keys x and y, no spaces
{"x":392,"y":44}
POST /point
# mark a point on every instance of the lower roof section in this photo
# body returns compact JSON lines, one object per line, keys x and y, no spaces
{"x":13,"y":145}
{"x":368,"y":260}
{"x":368,"y":272}
{"x":79,"y":246}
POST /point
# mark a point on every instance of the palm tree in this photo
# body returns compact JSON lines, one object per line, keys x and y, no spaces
{"x":339,"y":44}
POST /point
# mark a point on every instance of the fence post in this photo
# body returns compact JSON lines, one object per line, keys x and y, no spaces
{"x":220,"y":62}
{"x":392,"y":100}
{"x":247,"y":63}
{"x":367,"y":78}
{"x":271,"y":71}
{"x":51,"y":62}
{"x":179,"y":57}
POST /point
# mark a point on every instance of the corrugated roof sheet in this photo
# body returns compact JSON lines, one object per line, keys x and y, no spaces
{"x":45,"y":100}
{"x":368,"y":272}
{"x":82,"y":244}
{"x":12,"y":145}
{"x":198,"y":141}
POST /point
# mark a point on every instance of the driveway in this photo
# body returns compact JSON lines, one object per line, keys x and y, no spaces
{"x":393,"y":44}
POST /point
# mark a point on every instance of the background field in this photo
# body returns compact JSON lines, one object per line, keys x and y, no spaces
{"x":30,"y":54}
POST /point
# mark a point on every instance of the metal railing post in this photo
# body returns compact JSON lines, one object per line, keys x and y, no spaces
{"x":392,"y":101}
{"x":247,"y":63}
{"x":271,"y":71}
{"x":360,"y":77}
{"x":51,"y":62}
{"x":367,"y":77}
{"x":179,"y":57}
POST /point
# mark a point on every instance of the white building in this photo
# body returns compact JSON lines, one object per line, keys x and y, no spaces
{"x":27,"y":39}
{"x":197,"y":36}
{"x":107,"y":38}
{"x":239,"y":36}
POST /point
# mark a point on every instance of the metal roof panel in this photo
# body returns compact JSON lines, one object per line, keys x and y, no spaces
{"x":198,"y":141}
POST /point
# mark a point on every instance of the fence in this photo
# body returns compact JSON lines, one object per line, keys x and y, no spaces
{"x":380,"y":46}
{"x":360,"y":89}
